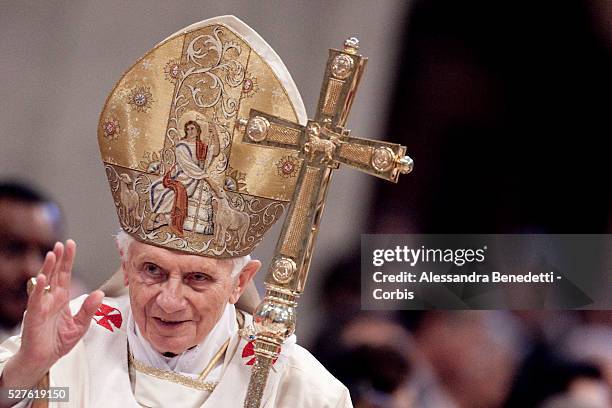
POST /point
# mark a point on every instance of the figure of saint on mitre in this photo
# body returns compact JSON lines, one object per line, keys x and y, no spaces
{"x":182,"y":197}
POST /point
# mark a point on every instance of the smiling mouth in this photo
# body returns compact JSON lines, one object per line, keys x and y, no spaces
{"x":169,"y":323}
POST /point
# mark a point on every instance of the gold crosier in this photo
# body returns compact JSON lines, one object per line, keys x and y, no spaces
{"x":322,"y":144}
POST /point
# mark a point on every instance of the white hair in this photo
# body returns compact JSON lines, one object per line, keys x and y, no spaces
{"x":124,"y":241}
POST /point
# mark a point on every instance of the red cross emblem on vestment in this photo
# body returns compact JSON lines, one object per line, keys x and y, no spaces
{"x":108,"y":315}
{"x":249,"y":351}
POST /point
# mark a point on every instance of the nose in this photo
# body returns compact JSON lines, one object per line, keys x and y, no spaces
{"x":171,"y":298}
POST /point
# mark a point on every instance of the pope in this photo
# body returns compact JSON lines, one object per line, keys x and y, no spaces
{"x":164,"y":330}
{"x":177,"y":321}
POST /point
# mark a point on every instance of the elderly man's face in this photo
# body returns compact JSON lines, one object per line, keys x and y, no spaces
{"x":178,"y":298}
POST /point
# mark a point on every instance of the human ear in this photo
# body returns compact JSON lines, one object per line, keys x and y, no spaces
{"x":125,"y":267}
{"x":246,"y":275}
{"x":126,"y":280}
{"x":123,"y":264}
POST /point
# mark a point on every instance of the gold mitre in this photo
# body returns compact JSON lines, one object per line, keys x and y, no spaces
{"x":171,"y":141}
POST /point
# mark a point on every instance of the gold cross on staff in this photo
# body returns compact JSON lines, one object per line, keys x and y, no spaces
{"x":322,"y":144}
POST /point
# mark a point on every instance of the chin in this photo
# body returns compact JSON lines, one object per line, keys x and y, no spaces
{"x":176,"y":346}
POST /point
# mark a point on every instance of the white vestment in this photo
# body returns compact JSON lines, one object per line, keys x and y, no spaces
{"x":98,"y":372}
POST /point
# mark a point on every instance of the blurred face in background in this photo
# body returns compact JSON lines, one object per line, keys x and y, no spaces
{"x":27,"y":232}
{"x":472,"y":353}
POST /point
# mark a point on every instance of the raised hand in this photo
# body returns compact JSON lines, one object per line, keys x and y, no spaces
{"x":49,"y":329}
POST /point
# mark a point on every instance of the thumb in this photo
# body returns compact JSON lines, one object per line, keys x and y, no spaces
{"x":88,"y":308}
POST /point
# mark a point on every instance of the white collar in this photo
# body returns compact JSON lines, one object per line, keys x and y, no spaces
{"x":190,"y":362}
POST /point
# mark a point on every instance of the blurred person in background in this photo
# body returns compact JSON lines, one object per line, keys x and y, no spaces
{"x":568,"y":401}
{"x":374,"y":359}
{"x":568,"y":356}
{"x":371,"y":353}
{"x":375,"y":375}
{"x":29,"y":226}
{"x":572,"y":385}
{"x":591,"y":344}
{"x":550,"y":379}
{"x":473,"y":355}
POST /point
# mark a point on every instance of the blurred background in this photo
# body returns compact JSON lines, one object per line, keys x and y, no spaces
{"x":505,"y":107}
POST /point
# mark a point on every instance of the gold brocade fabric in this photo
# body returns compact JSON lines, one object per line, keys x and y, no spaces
{"x":180,"y":176}
{"x":173,"y":377}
